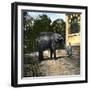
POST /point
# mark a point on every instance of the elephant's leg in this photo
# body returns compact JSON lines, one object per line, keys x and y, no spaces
{"x":51,"y":54}
{"x":40,"y":55}
{"x":54,"y":54}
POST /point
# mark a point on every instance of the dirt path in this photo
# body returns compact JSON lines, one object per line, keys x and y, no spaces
{"x":61,"y":66}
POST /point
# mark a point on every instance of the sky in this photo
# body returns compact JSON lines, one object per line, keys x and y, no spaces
{"x":52,"y":16}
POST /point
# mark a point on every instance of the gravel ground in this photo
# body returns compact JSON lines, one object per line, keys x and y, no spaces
{"x":61,"y":66}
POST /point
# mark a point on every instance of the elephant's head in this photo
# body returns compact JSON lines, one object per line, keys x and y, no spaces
{"x":58,"y":39}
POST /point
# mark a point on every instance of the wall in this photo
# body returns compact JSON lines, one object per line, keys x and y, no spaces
{"x":73,"y":38}
{"x":5,"y":46}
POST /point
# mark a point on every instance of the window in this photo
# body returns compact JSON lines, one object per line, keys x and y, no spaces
{"x":74,"y":23}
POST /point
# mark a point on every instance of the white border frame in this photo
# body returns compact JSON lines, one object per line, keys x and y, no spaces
{"x":54,"y":78}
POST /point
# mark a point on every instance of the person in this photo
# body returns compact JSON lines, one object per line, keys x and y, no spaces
{"x":69,"y":49}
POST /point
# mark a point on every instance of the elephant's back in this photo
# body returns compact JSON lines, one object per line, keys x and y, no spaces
{"x":45,"y":33}
{"x":43,"y":42}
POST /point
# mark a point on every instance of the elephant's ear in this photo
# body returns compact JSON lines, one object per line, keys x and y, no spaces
{"x":61,"y":38}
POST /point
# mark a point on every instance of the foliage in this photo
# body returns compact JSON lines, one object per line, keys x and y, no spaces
{"x":33,"y":27}
{"x":59,"y":26}
{"x":31,"y":67}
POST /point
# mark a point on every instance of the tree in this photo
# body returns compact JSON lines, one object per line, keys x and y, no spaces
{"x":32,"y":28}
{"x":27,"y":29}
{"x":42,"y":23}
{"x":58,"y":26}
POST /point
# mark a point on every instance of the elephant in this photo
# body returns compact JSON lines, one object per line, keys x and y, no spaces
{"x":48,"y":40}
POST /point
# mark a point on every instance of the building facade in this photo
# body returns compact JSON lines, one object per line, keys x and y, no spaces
{"x":73,"y":31}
